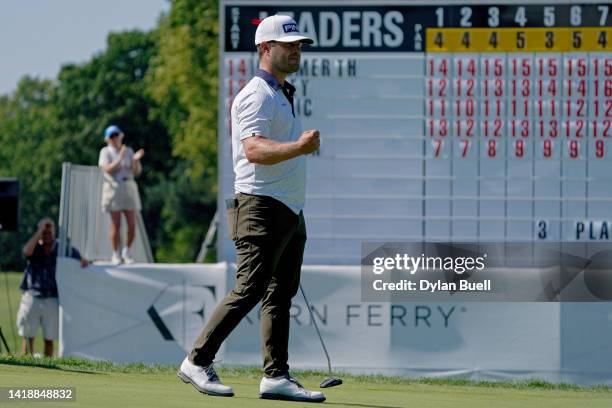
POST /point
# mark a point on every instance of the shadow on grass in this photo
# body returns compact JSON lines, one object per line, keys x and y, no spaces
{"x":348,"y":404}
{"x":42,"y":363}
{"x":339,"y":404}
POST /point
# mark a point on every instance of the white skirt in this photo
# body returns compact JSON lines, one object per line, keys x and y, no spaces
{"x":120,"y":196}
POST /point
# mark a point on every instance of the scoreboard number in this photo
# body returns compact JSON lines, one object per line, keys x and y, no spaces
{"x":587,"y":39}
{"x":532,"y":95}
{"x":442,"y":121}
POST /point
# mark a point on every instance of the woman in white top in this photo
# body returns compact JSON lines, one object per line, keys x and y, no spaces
{"x":120,"y":192}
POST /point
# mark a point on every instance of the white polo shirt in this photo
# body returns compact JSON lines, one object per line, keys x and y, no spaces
{"x":109,"y":154}
{"x":261,"y":109}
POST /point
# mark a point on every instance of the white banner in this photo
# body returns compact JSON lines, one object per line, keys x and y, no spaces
{"x":143,"y":312}
{"x":153,"y":313}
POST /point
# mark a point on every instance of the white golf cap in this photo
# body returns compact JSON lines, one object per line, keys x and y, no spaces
{"x":279,"y":28}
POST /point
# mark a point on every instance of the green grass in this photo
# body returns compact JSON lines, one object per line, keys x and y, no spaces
{"x":103,"y":384}
{"x":8,"y":313}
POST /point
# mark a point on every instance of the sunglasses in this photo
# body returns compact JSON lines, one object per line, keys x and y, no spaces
{"x":114,"y":135}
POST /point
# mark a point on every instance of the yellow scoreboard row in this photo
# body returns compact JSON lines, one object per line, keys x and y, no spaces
{"x":519,"y":39}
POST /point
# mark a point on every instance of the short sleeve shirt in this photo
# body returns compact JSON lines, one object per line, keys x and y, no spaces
{"x":109,"y":154}
{"x":39,"y":275}
{"x":262,"y":109}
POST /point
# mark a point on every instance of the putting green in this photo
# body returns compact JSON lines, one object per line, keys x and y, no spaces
{"x":147,"y":388}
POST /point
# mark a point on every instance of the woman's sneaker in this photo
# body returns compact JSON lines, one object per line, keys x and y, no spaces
{"x":204,"y":379}
{"x":127,"y":257}
{"x":287,"y":388}
{"x":116,"y":259}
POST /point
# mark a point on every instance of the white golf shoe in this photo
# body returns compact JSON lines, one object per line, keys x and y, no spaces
{"x":288,"y":389}
{"x":127,"y":257}
{"x":204,"y":379}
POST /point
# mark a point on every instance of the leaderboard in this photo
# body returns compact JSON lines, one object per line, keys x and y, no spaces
{"x":442,"y":122}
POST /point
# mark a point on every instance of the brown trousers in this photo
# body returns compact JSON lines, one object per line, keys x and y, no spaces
{"x":270,"y":240}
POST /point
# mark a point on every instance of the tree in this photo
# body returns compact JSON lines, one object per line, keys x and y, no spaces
{"x":31,"y":152}
{"x":160,"y":88}
{"x":183,"y":81}
{"x":111,"y":89}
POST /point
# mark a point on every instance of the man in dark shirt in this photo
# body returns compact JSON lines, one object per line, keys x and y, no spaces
{"x":39,"y":304}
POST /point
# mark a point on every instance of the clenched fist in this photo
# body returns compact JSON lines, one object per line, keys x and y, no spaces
{"x":309,"y":141}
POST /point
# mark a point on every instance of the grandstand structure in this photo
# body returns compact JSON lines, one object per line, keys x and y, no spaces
{"x":82,"y":222}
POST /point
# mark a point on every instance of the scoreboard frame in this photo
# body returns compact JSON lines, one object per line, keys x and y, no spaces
{"x":523,"y":28}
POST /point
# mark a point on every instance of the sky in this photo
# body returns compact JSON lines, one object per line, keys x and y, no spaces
{"x":38,"y":36}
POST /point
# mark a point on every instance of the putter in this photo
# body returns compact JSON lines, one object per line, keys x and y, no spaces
{"x":330,"y":381}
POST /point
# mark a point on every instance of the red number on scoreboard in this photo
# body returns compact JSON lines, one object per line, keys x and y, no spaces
{"x":580,"y":128}
{"x":443,"y":128}
{"x":497,"y":85}
{"x":470,"y":87}
{"x":547,"y":66}
{"x":608,"y":67}
{"x":492,"y":148}
{"x":497,"y":127}
{"x":519,"y":149}
{"x":442,"y":88}
{"x":574,"y":150}
{"x":519,"y":108}
{"x":522,"y":86}
{"x":242,"y":67}
{"x":437,"y":87}
{"x":548,"y":87}
{"x":465,"y":147}
{"x":523,"y":69}
{"x":492,"y":108}
{"x":441,"y":103}
{"x":606,"y":128}
{"x":437,"y":147}
{"x":470,"y":128}
{"x":464,"y":108}
{"x":520,"y":128}
{"x":577,"y":108}
{"x":495,"y":67}
{"x":599,"y":149}
{"x":552,"y":128}
{"x":442,"y":67}
{"x":576,"y":67}
{"x":547,"y":148}
{"x":466,"y":66}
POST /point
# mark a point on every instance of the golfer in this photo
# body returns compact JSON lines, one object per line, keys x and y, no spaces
{"x":265,"y":217}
